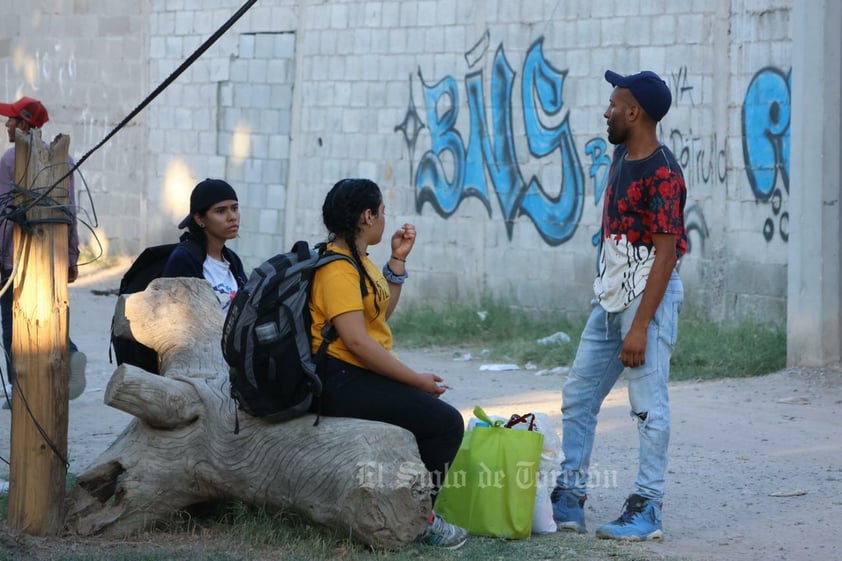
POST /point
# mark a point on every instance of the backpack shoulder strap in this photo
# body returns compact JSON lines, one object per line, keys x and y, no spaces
{"x":331,"y":256}
{"x":329,"y":333}
{"x":327,"y":256}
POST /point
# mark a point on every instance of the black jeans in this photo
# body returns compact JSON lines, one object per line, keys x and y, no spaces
{"x":351,"y":391}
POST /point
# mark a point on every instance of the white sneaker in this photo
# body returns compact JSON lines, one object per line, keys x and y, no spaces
{"x":78,"y":362}
{"x":440,"y":533}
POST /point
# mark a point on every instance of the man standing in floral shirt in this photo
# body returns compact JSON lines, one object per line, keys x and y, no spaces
{"x":634,"y":321}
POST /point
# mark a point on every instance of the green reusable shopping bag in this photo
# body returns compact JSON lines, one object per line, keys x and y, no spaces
{"x":491,"y":485}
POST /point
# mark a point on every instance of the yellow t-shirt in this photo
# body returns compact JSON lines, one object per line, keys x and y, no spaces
{"x":336,"y":290}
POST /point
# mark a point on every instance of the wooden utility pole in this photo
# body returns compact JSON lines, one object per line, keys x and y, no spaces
{"x":40,"y":345}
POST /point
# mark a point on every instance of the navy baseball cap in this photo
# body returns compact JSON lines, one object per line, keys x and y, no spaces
{"x":650,"y":91}
{"x":206,"y":194}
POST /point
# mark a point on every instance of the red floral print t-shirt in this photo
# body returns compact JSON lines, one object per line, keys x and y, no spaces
{"x":643,"y":197}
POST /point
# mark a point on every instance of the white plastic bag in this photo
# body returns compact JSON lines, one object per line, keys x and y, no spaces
{"x":542,"y":519}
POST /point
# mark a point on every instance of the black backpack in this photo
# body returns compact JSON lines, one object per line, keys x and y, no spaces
{"x":148,"y":266}
{"x":266,"y":337}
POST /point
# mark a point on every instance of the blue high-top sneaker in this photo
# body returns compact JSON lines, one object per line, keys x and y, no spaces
{"x":640,"y":521}
{"x":568,"y":510}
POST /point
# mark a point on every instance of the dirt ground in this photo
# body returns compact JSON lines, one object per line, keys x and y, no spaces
{"x":755,"y":464}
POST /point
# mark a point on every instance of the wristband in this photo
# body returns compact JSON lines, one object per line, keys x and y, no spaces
{"x":392,"y":277}
{"x":396,"y":258}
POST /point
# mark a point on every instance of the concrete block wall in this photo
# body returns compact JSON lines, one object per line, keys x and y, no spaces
{"x":87,"y":62}
{"x":481,"y":120}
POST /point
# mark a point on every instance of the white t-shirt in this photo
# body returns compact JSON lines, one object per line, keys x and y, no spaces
{"x":221,"y":279}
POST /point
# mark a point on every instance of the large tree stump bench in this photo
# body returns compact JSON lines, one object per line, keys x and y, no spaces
{"x":362,"y":478}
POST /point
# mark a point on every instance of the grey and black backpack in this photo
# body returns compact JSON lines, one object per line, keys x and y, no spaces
{"x":266,"y":337}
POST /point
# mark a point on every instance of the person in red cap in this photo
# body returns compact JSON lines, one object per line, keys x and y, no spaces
{"x":29,"y":111}
{"x":25,"y":114}
{"x":634,"y":322}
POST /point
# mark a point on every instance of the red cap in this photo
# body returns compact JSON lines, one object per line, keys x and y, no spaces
{"x":30,"y":110}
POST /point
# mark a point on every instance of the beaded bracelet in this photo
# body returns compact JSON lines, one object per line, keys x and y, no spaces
{"x":392,"y":277}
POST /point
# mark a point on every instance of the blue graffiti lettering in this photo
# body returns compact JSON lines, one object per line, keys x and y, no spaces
{"x":555,"y":217}
{"x":766,"y":134}
{"x":596,"y":148}
{"x":499,"y":157}
{"x":431,"y":179}
{"x":449,"y":172}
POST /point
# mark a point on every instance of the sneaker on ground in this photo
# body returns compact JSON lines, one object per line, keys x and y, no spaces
{"x":78,"y":362}
{"x":440,"y":533}
{"x":568,"y":510}
{"x":640,"y":521}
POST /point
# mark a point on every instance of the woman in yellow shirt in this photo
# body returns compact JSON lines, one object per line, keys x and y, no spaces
{"x":361,"y":376}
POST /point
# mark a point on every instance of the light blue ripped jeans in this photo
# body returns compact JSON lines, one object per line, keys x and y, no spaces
{"x":595,"y":371}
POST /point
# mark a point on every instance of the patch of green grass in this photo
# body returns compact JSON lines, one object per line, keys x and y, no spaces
{"x":247,"y":527}
{"x":267,"y":536}
{"x":237,"y":532}
{"x":704,"y":349}
{"x":163,"y":555}
{"x":495,"y":330}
